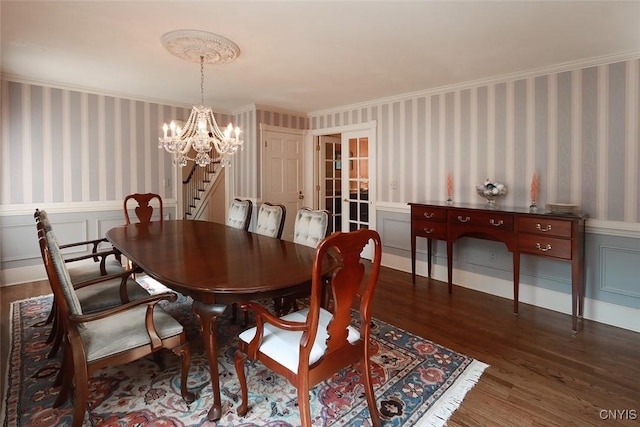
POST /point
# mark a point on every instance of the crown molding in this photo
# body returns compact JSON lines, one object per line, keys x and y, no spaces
{"x":93,"y":91}
{"x":114,"y":94}
{"x":520,"y":75}
{"x":279,"y":110}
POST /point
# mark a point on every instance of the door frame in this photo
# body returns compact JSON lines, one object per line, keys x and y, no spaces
{"x":314,"y":172}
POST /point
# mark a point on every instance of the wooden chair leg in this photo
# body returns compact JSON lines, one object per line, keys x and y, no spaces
{"x":59,"y":334}
{"x":234,"y":312}
{"x":81,"y":393}
{"x":52,"y":313}
{"x":239,"y":361}
{"x":368,"y":389}
{"x":54,"y":326}
{"x":184,"y":351}
{"x":65,"y":377}
{"x":303,"y":403}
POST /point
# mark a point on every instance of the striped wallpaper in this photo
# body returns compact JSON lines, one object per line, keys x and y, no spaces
{"x":61,"y":145}
{"x":577,"y":129}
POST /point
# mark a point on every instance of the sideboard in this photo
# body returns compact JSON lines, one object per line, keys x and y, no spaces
{"x":540,"y":233}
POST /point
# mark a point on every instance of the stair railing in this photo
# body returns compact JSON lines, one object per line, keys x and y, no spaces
{"x":194,"y":185}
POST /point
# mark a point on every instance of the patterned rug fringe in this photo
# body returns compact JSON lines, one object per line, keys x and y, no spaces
{"x":452,"y":398}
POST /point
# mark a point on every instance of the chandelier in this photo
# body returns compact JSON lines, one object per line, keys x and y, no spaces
{"x":201,"y":131}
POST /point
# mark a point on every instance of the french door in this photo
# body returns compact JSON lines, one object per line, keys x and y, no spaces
{"x":347,"y":179}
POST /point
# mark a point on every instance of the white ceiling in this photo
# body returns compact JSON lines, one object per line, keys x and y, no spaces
{"x":304,"y":55}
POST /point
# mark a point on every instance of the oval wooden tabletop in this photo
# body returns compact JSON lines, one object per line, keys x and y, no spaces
{"x":206,"y":259}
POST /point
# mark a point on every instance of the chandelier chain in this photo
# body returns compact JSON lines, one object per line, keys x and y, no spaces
{"x":201,"y":79}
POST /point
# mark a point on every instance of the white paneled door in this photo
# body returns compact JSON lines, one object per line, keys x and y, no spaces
{"x":282,"y":175}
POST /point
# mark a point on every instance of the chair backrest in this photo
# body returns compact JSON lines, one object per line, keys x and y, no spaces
{"x":310,"y":227}
{"x":43,"y":223}
{"x":58,"y":274}
{"x":271,"y":220}
{"x":240,"y":214}
{"x":349,"y":287}
{"x":143,"y":210}
{"x":42,"y":219}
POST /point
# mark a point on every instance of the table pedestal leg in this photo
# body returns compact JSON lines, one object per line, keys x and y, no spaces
{"x":208,"y":314}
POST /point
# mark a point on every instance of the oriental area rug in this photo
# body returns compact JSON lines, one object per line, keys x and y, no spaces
{"x":416,"y":382}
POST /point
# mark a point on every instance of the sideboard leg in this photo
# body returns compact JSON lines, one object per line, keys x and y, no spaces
{"x":516,"y":281}
{"x":413,"y":258}
{"x":450,"y":265}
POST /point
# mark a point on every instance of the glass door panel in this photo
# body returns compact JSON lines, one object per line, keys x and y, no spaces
{"x":356,"y":175}
{"x":331,"y":167}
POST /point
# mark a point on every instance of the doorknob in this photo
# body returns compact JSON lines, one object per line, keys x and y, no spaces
{"x":300,"y":195}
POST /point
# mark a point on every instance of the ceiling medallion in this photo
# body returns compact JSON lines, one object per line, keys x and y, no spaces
{"x":191,"y":45}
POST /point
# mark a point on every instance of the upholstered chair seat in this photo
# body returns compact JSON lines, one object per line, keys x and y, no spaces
{"x":102,"y":338}
{"x":284,"y":346}
{"x":102,"y":294}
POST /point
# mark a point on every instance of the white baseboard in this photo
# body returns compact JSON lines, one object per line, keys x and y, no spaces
{"x":599,"y":311}
{"x":17,"y":276}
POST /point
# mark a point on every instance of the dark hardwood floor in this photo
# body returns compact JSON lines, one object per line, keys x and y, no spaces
{"x":540,"y":373}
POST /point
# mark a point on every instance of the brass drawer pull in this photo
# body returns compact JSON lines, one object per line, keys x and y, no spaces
{"x":540,"y":248}
{"x":547,"y":228}
{"x":429,"y":230}
{"x":496,"y":223}
{"x":465,"y":219}
{"x":429,"y":215}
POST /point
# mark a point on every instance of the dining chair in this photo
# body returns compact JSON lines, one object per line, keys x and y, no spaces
{"x":271,"y":220}
{"x":109,"y":337}
{"x":310,"y":345}
{"x":270,"y":223}
{"x":143,"y":210}
{"x":309,"y":229}
{"x":94,"y":294}
{"x":107,"y":293}
{"x":240,"y":214}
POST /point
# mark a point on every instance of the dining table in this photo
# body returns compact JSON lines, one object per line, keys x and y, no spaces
{"x":216,"y":265}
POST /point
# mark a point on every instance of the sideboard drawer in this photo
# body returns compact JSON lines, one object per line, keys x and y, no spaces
{"x":543,"y":226}
{"x":481,"y":219}
{"x":544,"y":246}
{"x":430,"y":229}
{"x":431,"y":213}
